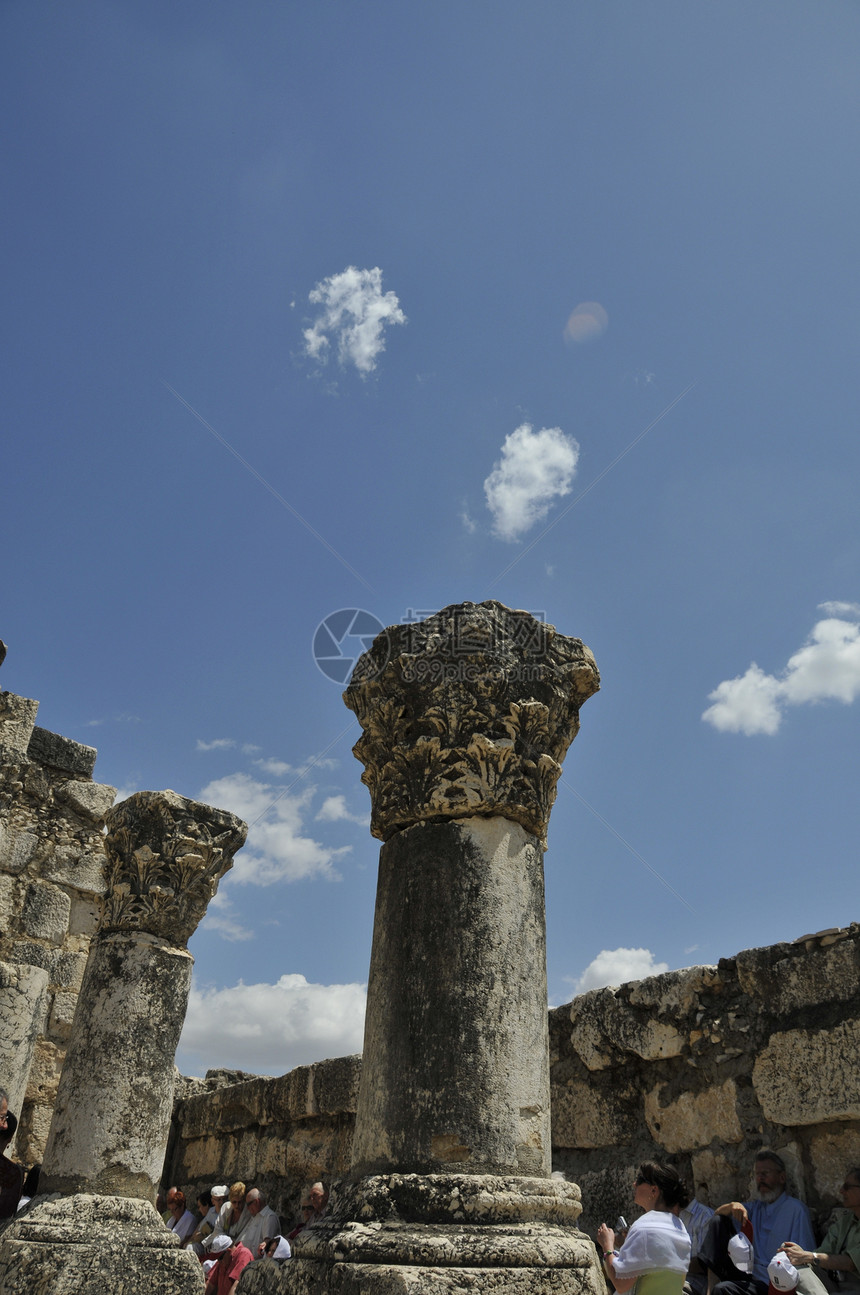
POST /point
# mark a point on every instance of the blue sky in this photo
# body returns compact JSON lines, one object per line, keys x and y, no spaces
{"x":294,"y":294}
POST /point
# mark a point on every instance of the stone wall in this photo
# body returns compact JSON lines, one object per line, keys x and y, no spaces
{"x":51,"y":857}
{"x":702,"y":1066}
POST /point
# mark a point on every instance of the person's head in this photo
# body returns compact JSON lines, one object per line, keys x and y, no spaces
{"x":220,"y":1192}
{"x":176,"y":1201}
{"x":4,"y":1107}
{"x":254,"y":1201}
{"x":222,"y":1245}
{"x":317,"y":1197}
{"x":7,"y":1130}
{"x":237,"y":1194}
{"x":659,"y":1187}
{"x":204,"y":1202}
{"x":850,"y":1190}
{"x":769,"y":1173}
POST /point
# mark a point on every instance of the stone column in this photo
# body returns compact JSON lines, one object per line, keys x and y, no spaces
{"x":466,"y":719}
{"x":165,"y":857}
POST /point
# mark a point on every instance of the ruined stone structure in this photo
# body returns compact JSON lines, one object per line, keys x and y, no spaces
{"x":701,"y":1066}
{"x":51,"y":883}
{"x":164,"y":858}
{"x":466,"y":717}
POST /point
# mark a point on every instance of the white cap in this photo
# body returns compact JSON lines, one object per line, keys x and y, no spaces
{"x":782,"y":1272}
{"x":208,"y":1265}
{"x":222,"y":1190}
{"x":220,"y":1243}
{"x":741,"y":1253}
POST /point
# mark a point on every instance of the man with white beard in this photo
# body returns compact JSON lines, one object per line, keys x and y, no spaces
{"x":774,"y":1218}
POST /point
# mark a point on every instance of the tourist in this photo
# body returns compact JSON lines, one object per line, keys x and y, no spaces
{"x":772,"y":1217}
{"x":839,"y":1252}
{"x":307,"y":1213}
{"x":229,"y":1217}
{"x":656,"y":1253}
{"x":4,"y":1107}
{"x":11,"y":1175}
{"x":182,"y":1220}
{"x":318,"y":1197}
{"x":258,"y":1223}
{"x":208,"y":1217}
{"x":232,"y":1258}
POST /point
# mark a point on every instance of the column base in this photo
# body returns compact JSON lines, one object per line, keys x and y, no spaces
{"x":93,"y":1245}
{"x":436,"y":1234}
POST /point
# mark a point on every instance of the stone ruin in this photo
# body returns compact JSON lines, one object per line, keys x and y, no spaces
{"x":443,"y":1148}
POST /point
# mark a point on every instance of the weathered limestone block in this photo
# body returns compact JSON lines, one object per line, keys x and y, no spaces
{"x":717,"y":1179}
{"x":672,"y":994}
{"x":694,"y":1119}
{"x":17,"y":720}
{"x":23,"y":1003}
{"x":69,"y":866}
{"x":94,"y":1245}
{"x":89,"y":799}
{"x":469,"y":712}
{"x":61,"y":753}
{"x":601,"y":1021}
{"x":46,"y":912}
{"x":810,"y":1076}
{"x":832,"y":1152}
{"x":62,"y":1014}
{"x":788,"y":976}
{"x":584,"y":1117}
{"x":16,"y":848}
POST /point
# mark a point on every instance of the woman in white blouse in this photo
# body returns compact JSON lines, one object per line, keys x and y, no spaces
{"x":656,"y":1254}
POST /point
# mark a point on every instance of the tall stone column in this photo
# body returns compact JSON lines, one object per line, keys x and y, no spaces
{"x":466,"y":718}
{"x":165,"y":857}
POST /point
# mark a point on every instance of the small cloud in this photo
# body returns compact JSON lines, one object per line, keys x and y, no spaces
{"x":334,"y":809}
{"x":469,"y":525}
{"x":587,"y":322}
{"x":826,"y":668}
{"x":217,"y":744}
{"x":277,"y":768}
{"x":93,"y":723}
{"x":840,"y":609}
{"x":550,"y":570}
{"x":354,"y":313}
{"x":269,"y":1029}
{"x":745,"y":704}
{"x":616,"y":967}
{"x":693,"y":948}
{"x":249,"y":748}
{"x":535,"y":468}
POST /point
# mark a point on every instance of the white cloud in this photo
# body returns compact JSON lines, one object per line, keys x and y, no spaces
{"x":354,"y":312}
{"x":269,"y":1029}
{"x":746,"y":704}
{"x":334,"y":809}
{"x":123,"y":793}
{"x":277,"y":768}
{"x":276,"y":849}
{"x":217,"y":744}
{"x":535,"y":468}
{"x":840,"y":609}
{"x":616,"y":967}
{"x":826,"y":668}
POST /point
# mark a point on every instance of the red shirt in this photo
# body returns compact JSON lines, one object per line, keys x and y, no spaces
{"x":228,"y":1269}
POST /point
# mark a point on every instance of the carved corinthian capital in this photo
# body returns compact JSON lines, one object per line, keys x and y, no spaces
{"x":468,"y":712}
{"x":165,"y":857}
